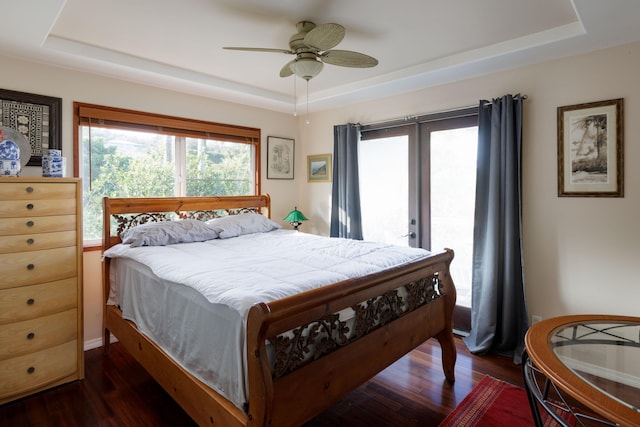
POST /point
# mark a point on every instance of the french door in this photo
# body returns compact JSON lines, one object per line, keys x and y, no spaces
{"x":417,"y":188}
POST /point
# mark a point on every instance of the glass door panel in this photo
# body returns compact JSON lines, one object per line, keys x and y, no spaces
{"x":453,"y":186}
{"x":384,"y":189}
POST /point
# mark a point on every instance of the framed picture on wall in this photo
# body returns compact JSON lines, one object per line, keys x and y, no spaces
{"x":319,"y":168}
{"x":590,"y":149}
{"x":280,"y":157}
{"x":37,"y":117}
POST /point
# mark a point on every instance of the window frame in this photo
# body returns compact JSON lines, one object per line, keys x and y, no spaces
{"x":86,"y":114}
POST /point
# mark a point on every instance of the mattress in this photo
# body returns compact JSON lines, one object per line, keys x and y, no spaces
{"x":192,"y":299}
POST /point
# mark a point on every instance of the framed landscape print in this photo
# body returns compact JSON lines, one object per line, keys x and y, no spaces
{"x":319,"y":168}
{"x":37,"y":117}
{"x":280,"y":157}
{"x":590,"y":149}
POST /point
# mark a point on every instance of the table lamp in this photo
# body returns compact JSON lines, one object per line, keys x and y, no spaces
{"x":295,"y":217}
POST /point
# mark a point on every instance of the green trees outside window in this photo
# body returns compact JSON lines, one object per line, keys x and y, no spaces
{"x":125,"y":163}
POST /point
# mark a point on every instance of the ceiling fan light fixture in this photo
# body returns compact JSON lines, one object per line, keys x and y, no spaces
{"x":313,"y":47}
{"x":307,"y":68}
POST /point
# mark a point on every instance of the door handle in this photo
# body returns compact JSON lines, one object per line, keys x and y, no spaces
{"x":411,"y":235}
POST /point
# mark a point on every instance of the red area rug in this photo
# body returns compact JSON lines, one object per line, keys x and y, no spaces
{"x":495,"y":403}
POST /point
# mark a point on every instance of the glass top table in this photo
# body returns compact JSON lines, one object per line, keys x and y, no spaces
{"x":594,"y":359}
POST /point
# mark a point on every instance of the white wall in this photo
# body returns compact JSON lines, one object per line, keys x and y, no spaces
{"x":75,"y":86}
{"x":82,"y":87}
{"x":581,"y":255}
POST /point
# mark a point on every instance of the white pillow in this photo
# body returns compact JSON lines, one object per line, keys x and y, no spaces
{"x":168,"y":233}
{"x":246,"y":223}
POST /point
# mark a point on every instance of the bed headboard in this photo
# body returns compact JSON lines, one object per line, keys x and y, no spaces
{"x":120,"y":214}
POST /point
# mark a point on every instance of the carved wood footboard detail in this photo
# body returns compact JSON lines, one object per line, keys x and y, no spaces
{"x":319,"y":337}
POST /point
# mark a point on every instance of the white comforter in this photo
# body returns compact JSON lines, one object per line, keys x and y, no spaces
{"x":263,"y":267}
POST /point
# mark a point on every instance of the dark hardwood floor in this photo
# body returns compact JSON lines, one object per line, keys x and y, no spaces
{"x":116,"y":391}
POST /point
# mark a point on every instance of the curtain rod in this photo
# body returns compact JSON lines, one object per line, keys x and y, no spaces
{"x":523,"y":97}
{"x":421,"y":118}
{"x":413,"y":118}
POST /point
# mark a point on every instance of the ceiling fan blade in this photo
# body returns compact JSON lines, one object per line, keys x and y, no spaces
{"x":260,"y":49}
{"x":347,"y":58}
{"x":286,"y":71}
{"x":325,"y":36}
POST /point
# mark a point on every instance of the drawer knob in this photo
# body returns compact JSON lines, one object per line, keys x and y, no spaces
{"x":30,"y":223}
{"x":31,"y":301}
{"x":29,"y":206}
{"x":29,"y":189}
{"x":30,"y":241}
{"x":31,"y":370}
{"x":31,"y":336}
{"x":30,"y":267}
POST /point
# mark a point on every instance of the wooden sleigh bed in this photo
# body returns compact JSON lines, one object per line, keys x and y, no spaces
{"x":292,"y":392}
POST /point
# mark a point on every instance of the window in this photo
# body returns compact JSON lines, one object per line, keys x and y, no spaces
{"x":127,"y":153}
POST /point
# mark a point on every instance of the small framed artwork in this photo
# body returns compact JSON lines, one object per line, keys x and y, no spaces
{"x":37,"y":117}
{"x":590,"y":149}
{"x":280,"y":157}
{"x":319,"y":168}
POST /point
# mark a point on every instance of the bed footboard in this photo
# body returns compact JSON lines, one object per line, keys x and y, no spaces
{"x":319,"y":360}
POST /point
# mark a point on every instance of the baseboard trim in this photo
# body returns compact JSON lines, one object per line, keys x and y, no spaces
{"x":600,"y":371}
{"x":95,"y":343}
{"x":460,"y":333}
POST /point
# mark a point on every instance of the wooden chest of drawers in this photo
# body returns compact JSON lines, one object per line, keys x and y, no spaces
{"x":41,"y":341}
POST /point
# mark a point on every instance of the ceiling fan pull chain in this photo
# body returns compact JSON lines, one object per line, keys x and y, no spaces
{"x":295,"y":98}
{"x":308,"y":102}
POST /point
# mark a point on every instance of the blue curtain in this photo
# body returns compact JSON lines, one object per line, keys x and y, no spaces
{"x":346,"y":218}
{"x":498,"y":311}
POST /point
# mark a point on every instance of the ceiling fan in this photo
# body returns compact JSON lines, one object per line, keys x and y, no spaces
{"x":312,"y":47}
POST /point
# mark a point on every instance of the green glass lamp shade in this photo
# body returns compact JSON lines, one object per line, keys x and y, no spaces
{"x":295,"y":217}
